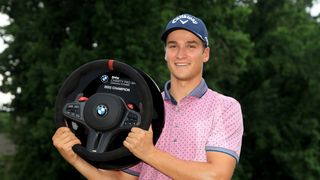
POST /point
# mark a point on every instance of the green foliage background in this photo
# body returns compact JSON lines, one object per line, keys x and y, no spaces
{"x":265,"y":53}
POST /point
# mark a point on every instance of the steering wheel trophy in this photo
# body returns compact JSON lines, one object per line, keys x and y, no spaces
{"x":101,"y":101}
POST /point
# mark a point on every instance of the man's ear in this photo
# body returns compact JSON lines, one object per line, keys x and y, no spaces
{"x":165,"y":56}
{"x":165,"y":53}
{"x":206,"y":53}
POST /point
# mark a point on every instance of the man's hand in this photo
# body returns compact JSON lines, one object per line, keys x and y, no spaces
{"x":63,"y":140}
{"x":140,"y":143}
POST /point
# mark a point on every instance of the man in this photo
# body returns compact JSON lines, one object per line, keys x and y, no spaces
{"x":203,"y":129}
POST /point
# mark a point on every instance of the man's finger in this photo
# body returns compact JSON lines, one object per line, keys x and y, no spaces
{"x":136,"y":130}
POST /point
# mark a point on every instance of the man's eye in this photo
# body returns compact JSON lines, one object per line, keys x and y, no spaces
{"x":191,"y":46}
{"x":172,"y":46}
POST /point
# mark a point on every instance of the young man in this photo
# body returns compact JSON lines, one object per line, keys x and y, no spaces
{"x":203,"y":129}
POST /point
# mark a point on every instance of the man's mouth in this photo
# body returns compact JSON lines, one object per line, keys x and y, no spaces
{"x":181,"y":64}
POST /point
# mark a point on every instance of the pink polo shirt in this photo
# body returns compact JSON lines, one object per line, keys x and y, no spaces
{"x":204,"y":121}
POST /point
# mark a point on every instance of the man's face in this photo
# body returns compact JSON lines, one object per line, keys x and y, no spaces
{"x":185,"y":55}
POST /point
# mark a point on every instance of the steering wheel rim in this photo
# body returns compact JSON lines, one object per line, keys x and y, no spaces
{"x":90,"y":71}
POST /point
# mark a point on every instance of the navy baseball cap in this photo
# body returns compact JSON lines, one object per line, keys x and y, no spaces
{"x":189,"y":23}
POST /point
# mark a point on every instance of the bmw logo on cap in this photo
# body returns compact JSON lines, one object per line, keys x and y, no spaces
{"x":102,"y":110}
{"x":104,"y":78}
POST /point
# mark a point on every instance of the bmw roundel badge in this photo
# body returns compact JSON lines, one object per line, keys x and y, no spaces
{"x":104,"y":78}
{"x":102,"y":110}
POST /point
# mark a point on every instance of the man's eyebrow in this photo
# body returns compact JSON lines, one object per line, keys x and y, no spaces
{"x":188,"y":42}
{"x":171,"y":42}
{"x":192,"y":42}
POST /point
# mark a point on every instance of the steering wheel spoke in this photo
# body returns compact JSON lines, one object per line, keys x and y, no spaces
{"x":98,"y":142}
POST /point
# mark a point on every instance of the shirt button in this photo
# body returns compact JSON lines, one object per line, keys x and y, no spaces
{"x":176,"y":109}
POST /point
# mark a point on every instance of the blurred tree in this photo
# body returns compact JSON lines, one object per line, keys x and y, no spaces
{"x":280,"y":93}
{"x":4,"y":121}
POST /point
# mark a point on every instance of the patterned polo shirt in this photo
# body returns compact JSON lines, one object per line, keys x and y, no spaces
{"x":204,"y":121}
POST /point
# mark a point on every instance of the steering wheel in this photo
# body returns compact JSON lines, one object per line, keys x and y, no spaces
{"x":100,"y":102}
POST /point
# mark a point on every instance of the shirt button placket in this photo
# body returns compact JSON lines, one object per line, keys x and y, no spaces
{"x":176,"y":108}
{"x":176,"y":126}
{"x":176,"y":129}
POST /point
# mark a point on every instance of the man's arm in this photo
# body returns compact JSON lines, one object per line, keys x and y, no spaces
{"x":64,"y":139}
{"x":218,"y":165}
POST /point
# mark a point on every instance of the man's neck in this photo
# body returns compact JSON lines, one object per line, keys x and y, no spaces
{"x":180,"y":89}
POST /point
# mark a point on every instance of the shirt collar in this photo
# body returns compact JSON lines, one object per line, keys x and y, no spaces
{"x":198,"y":92}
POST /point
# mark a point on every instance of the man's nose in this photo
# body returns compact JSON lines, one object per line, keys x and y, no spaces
{"x":181,"y":53}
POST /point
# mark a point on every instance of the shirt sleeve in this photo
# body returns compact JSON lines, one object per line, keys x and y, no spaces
{"x":226,"y":133}
{"x":134,"y":170}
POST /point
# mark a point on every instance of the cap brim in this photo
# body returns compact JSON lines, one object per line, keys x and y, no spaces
{"x":167,"y":32}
